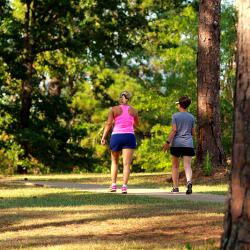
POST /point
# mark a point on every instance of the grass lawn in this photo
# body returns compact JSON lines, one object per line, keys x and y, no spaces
{"x":49,"y":218}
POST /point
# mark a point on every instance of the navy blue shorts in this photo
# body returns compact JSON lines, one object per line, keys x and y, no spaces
{"x":182,"y":151}
{"x":120,"y":141}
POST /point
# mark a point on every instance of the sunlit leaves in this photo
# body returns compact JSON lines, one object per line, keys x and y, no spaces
{"x":96,"y":49}
{"x":18,"y":9}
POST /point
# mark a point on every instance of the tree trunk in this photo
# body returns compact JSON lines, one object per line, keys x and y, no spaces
{"x":208,"y":59}
{"x":27,"y":86}
{"x":27,"y":83}
{"x":26,"y":98}
{"x":237,"y":219}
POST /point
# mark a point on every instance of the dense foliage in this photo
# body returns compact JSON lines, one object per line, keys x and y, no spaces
{"x":64,"y":63}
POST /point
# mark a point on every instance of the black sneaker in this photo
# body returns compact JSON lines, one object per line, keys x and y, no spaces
{"x":189,"y":188}
{"x":175,"y":190}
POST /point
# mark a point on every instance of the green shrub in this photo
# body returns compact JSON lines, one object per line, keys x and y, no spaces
{"x":149,"y":156}
{"x":33,"y":166}
{"x":10,"y":156}
{"x":207,"y":167}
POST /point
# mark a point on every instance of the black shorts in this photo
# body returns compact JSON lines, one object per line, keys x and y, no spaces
{"x":181,"y":151}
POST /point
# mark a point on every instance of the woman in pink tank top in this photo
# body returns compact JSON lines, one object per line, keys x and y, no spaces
{"x":122,"y":141}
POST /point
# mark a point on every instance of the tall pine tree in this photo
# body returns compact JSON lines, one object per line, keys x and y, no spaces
{"x":208,"y":86}
{"x":237,"y":219}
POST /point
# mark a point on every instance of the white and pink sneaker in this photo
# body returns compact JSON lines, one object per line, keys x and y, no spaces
{"x":124,"y":189}
{"x":113,"y":188}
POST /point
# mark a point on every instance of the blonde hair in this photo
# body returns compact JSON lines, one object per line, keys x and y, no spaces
{"x":126,"y":94}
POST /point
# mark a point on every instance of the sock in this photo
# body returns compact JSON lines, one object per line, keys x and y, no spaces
{"x":124,"y":185}
{"x":113,"y":184}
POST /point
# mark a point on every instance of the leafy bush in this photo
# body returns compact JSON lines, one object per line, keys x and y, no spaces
{"x":33,"y":166}
{"x":150,"y":157}
{"x":207,"y":167}
{"x":10,"y":154}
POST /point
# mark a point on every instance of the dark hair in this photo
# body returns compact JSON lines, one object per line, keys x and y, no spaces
{"x":184,"y":101}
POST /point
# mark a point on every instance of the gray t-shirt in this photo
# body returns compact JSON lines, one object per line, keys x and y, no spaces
{"x":184,"y":123}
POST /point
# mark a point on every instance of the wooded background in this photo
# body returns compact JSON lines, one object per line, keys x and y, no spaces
{"x":64,"y":63}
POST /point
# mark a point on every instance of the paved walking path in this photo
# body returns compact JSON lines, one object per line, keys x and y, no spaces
{"x":131,"y":191}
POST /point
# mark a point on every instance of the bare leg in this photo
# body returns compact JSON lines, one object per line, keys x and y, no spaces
{"x":187,"y":167}
{"x":114,"y":165}
{"x":127,"y":155}
{"x":175,"y":171}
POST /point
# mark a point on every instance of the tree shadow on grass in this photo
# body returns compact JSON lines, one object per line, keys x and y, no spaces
{"x":135,"y":206}
{"x":175,"y":233}
{"x":96,"y":215}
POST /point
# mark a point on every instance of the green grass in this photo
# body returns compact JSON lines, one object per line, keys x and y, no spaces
{"x":220,"y":189}
{"x":65,"y":219}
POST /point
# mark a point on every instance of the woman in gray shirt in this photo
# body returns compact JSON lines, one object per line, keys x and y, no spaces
{"x":180,"y":142}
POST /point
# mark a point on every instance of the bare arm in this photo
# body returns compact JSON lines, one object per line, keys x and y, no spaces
{"x":108,"y":125}
{"x":193,"y":132}
{"x":170,"y":138}
{"x":134,"y":113}
{"x":136,"y":120}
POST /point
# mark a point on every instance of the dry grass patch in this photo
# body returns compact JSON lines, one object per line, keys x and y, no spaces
{"x":46,"y":218}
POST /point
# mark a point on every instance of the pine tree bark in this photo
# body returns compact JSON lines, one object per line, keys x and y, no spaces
{"x":208,"y":76}
{"x":237,"y":219}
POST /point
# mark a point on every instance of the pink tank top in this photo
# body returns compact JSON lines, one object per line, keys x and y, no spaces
{"x":124,"y":123}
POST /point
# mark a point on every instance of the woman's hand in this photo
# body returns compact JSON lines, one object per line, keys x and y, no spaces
{"x":103,"y":141}
{"x":107,"y":127}
{"x":165,"y":147}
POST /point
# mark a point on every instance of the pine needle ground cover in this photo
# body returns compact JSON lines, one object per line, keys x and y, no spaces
{"x":49,"y":218}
